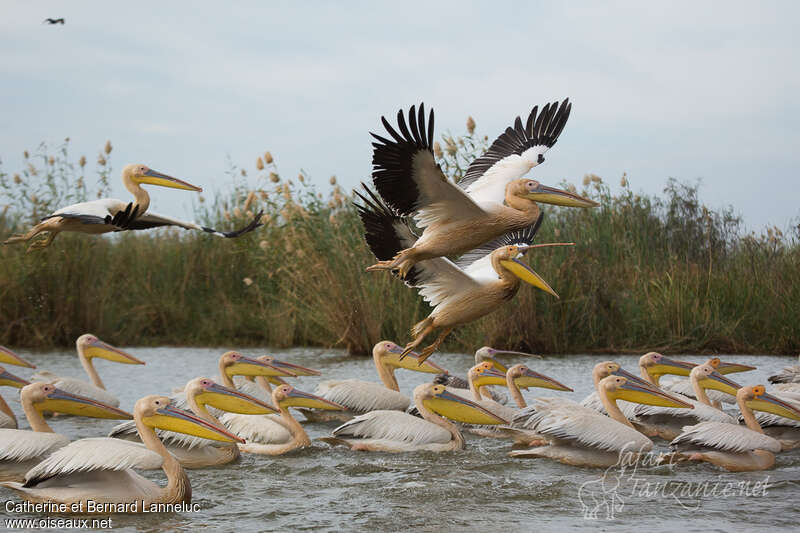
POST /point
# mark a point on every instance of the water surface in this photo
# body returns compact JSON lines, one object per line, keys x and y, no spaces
{"x":478,"y":489}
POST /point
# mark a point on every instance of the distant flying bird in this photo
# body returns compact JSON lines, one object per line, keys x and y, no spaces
{"x":54,"y":21}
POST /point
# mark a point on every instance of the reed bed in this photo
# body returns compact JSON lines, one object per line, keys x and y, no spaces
{"x":659,"y":273}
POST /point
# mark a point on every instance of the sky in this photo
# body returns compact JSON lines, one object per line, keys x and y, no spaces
{"x":696,"y":90}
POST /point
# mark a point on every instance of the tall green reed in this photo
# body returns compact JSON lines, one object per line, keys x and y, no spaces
{"x":648,"y":272}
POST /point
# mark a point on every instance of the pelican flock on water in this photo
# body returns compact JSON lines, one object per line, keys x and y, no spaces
{"x":463,"y":246}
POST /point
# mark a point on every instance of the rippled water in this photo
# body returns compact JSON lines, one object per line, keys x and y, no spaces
{"x":480,"y":488}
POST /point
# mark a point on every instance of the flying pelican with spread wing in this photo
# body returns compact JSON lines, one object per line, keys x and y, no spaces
{"x":456,"y":220}
{"x":460,"y":292}
{"x":109,"y":214}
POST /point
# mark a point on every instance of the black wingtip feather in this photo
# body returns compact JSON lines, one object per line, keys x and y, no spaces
{"x":541,"y":129}
{"x":393,"y":160}
{"x":380,"y":229}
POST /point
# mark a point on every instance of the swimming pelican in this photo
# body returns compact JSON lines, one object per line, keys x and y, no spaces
{"x":233,"y":363}
{"x":458,"y":294}
{"x":580,"y":436}
{"x":22,"y":449}
{"x":485,"y":353}
{"x":109,"y":214}
{"x":359,"y":397}
{"x":261,"y":386}
{"x":790,"y":374}
{"x":89,"y":347}
{"x":484,"y":374}
{"x":733,"y":447}
{"x":101,"y":469}
{"x":195,"y":452}
{"x":8,"y":357}
{"x":7,"y":417}
{"x":410,"y":181}
{"x":667,"y":423}
{"x":653,"y":366}
{"x":273,"y":434}
{"x":396,"y":431}
{"x":785,"y":430}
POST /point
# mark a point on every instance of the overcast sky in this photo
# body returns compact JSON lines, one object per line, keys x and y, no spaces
{"x":692,"y":90}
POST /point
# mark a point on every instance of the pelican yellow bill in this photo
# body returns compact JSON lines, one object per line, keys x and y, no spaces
{"x":60,"y":401}
{"x":298,"y":398}
{"x":460,"y":409}
{"x":634,"y":392}
{"x":103,"y":350}
{"x":771,"y":404}
{"x":233,"y":401}
{"x":171,"y":418}
{"x":10,"y":358}
{"x":152,"y":177}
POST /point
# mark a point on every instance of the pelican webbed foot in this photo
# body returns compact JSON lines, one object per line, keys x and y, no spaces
{"x":381,"y":265}
{"x":42,"y":243}
{"x":435,"y":346}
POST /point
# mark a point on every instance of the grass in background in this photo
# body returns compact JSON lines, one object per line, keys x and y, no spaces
{"x":663,"y":273}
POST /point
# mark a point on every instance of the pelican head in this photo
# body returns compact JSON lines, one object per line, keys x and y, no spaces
{"x":656,"y":364}
{"x":235,"y":364}
{"x":389,"y":353}
{"x":10,"y":358}
{"x":48,"y":397}
{"x":484,"y":374}
{"x":708,"y":377}
{"x":524,"y":377}
{"x":758,"y":399}
{"x":487,"y":353}
{"x":533,"y":190}
{"x":510,"y":258}
{"x":443,"y":402}
{"x":729,"y":368}
{"x":142,"y":174}
{"x":7,"y":379}
{"x":612,"y":368}
{"x":90,"y":346}
{"x":621,"y":388}
{"x":206,"y":391}
{"x":288,"y":396}
{"x":158,"y":412}
{"x":297,"y":370}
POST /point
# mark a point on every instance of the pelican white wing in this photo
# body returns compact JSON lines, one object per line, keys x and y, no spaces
{"x":565,"y":420}
{"x":701,"y":412}
{"x":409,"y":179}
{"x":260,"y":429}
{"x":95,"y":454}
{"x":362,"y":396}
{"x":77,"y":386}
{"x":20,"y":445}
{"x":514,"y":152}
{"x":394,"y":426}
{"x":725,"y":437}
{"x":93,"y":212}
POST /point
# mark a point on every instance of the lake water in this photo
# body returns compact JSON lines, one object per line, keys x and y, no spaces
{"x":478,"y":489}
